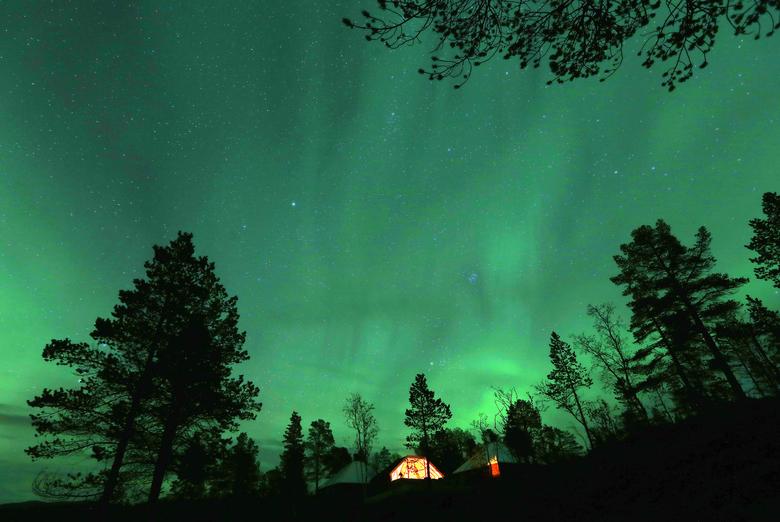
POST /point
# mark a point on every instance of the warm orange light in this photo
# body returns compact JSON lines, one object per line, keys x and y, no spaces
{"x":493,"y":463}
{"x":414,"y":468}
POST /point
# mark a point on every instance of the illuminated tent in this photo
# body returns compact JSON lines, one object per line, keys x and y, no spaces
{"x":355,"y":472}
{"x":489,"y":458}
{"x":414,"y":467}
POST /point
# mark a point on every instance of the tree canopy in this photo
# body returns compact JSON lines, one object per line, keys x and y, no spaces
{"x":159,"y":374}
{"x":676,"y":294}
{"x":577,"y":38}
{"x":319,"y":444}
{"x":766,"y":240}
{"x":359,"y":415}
{"x":293,"y":459}
{"x":426,"y":417}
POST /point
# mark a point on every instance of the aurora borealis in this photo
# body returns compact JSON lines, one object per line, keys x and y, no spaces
{"x":373,"y":224}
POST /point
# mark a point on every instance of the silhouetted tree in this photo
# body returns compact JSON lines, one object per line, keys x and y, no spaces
{"x":521,"y":428}
{"x":766,"y":240}
{"x":565,"y":380}
{"x":318,"y":445}
{"x":160,"y":372}
{"x":660,"y":412}
{"x":292,"y":459}
{"x":611,"y":353}
{"x":555,"y":445}
{"x":427,"y":416}
{"x":272,"y":483}
{"x":381,"y":459}
{"x":670,"y":358}
{"x":764,"y":329}
{"x":73,"y":486}
{"x":603,"y":425}
{"x":738,"y":338}
{"x":674,"y":287}
{"x":194,"y":386}
{"x":505,"y":399}
{"x":89,"y":418}
{"x":359,"y":416}
{"x":755,"y":343}
{"x":489,"y":436}
{"x":336,"y":458}
{"x":195,"y":467}
{"x":450,"y":447}
{"x":579,"y":39}
{"x":238,"y":472}
{"x":481,"y":427}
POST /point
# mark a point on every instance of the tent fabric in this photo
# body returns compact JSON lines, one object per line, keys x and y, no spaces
{"x":490,"y":455}
{"x":355,"y":472}
{"x":414,"y":467}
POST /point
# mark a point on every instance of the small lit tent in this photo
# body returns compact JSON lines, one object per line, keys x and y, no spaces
{"x":355,"y":472}
{"x":414,"y":467}
{"x":489,"y":458}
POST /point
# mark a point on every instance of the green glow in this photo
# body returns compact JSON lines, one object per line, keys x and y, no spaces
{"x":433,"y":230}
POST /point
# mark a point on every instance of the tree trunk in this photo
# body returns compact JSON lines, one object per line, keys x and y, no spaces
{"x":127,"y":432}
{"x":129,"y":427}
{"x":163,"y":457}
{"x":640,"y":408}
{"x":692,"y":392}
{"x":427,"y":460}
{"x":582,"y":417}
{"x":663,"y":405}
{"x":720,"y":359}
{"x":425,"y":447}
{"x":718,"y":356}
{"x":630,"y":392}
{"x":771,"y":368}
{"x":744,"y":365}
{"x":113,"y":474}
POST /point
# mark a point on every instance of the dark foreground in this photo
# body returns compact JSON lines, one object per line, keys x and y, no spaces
{"x":724,"y":465}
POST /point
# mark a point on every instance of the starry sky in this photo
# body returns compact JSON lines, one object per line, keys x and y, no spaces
{"x":373,"y":224}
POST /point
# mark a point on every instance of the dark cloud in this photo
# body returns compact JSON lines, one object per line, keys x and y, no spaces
{"x":14,"y":420}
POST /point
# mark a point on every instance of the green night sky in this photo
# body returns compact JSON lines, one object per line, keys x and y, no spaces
{"x":373,"y":224}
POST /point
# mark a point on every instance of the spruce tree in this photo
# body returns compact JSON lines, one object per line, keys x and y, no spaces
{"x":428,"y":415}
{"x":237,"y":474}
{"x":563,"y":384}
{"x":292,"y":459}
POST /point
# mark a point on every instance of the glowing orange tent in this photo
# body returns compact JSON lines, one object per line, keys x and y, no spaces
{"x":489,"y":457}
{"x":414,"y":467}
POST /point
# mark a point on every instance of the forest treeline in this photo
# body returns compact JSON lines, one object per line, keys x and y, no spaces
{"x":157,"y":398}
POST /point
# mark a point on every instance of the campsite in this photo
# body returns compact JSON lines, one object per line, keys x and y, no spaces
{"x":389,"y":260}
{"x":719,"y":467}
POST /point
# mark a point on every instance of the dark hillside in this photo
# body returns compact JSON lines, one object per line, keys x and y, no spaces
{"x":722,"y":465}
